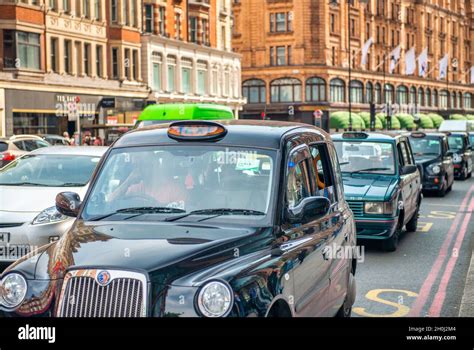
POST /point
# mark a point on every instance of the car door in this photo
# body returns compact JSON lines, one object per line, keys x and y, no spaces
{"x":308,"y":241}
{"x":447,"y":160}
{"x":406,"y":180}
{"x":324,"y":167}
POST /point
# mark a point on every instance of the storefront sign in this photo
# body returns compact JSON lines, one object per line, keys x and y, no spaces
{"x":112,"y":120}
{"x":108,"y":102}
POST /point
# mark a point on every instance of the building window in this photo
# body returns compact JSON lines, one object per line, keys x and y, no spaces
{"x":215,"y":80}
{"x":125,"y":11}
{"x":280,"y":59}
{"x":332,"y":23}
{"x":67,"y":56}
{"x":467,"y":100}
{"x":186,"y":71}
{"x":369,"y":92}
{"x":98,"y":60}
{"x":226,"y":82}
{"x":86,"y":9}
{"x":402,"y":95}
{"x":254,"y":90}
{"x":115,"y":63}
{"x":357,"y":91}
{"x":378,"y":93}
{"x":315,"y":90}
{"x":53,"y":5}
{"x":459,"y":98}
{"x":97,"y":10}
{"x":148,"y":18}
{"x":54,"y":55}
{"x":413,"y":95}
{"x":171,"y":63}
{"x":135,"y":65}
{"x":202,"y":78}
{"x":66,"y":6}
{"x":443,"y":99}
{"x":127,"y":64}
{"x":133,"y":13}
{"x":421,"y":97}
{"x":113,"y":10}
{"x":87,"y":59}
{"x":434,"y":102}
{"x":205,"y":32}
{"x":389,"y":93}
{"x":428,"y":98}
{"x":281,"y":22}
{"x":157,"y":62}
{"x":285,"y":90}
{"x":337,"y":89}
{"x":162,"y":20}
{"x":21,"y":49}
{"x":193,"y":29}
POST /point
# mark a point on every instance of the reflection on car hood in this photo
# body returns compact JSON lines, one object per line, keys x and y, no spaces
{"x":31,"y":199}
{"x":167,"y":251}
{"x":425,"y":160}
{"x":368,"y":188}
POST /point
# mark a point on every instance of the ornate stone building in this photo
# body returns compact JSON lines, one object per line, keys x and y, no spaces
{"x":295,"y":56}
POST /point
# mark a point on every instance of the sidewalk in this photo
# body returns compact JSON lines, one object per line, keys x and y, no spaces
{"x":466,"y":308}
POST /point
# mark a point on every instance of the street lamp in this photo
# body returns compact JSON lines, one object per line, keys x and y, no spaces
{"x":335,"y":3}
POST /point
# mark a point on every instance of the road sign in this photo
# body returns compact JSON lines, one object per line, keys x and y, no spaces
{"x":318,"y":113}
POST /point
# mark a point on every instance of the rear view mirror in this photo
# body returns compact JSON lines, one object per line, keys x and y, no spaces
{"x":310,"y":209}
{"x":68,"y":203}
{"x":408,"y":169}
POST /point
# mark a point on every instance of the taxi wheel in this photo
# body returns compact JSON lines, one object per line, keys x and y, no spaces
{"x":391,"y":244}
{"x":346,"y":308}
{"x":464,"y":174}
{"x":412,"y":225}
{"x":444,"y":188}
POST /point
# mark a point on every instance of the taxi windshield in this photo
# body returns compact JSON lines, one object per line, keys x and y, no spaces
{"x":365,"y":157}
{"x":169,"y":183}
{"x":456,"y":142}
{"x":425,"y":146}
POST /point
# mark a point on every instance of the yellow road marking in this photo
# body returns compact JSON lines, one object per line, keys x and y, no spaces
{"x":424,"y":226}
{"x":442,"y":215}
{"x":400,"y":308}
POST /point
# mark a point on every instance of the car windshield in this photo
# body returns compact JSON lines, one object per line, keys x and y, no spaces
{"x":425,"y":146}
{"x":50,"y":170}
{"x":456,"y":142}
{"x":471,"y":139}
{"x":365,"y":157}
{"x":183,"y":183}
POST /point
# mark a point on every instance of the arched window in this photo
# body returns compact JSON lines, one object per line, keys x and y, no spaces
{"x":434,"y":102}
{"x":315,"y":89}
{"x":413,"y":95}
{"x":443,"y":99}
{"x":467,"y":100}
{"x":357,"y":91}
{"x":428,"y":98}
{"x":453,"y":99}
{"x":421,"y":97}
{"x":378,"y":93}
{"x":459,"y":100}
{"x":337,"y":90}
{"x":389,"y":93}
{"x":285,"y":90}
{"x":369,"y":92}
{"x":254,"y":90}
{"x":402,"y":95}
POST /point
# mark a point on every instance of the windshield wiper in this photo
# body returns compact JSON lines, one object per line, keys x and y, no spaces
{"x":369,"y":169}
{"x":24,"y":184}
{"x":138,"y":211}
{"x":216,"y":212}
{"x":72,"y":184}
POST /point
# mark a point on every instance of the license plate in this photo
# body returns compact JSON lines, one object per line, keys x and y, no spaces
{"x":4,"y":237}
{"x":13,"y":251}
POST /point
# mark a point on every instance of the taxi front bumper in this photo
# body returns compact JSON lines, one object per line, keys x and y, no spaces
{"x":375,"y":228}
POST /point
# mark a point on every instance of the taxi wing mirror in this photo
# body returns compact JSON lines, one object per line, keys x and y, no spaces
{"x":310,"y":209}
{"x":68,"y":203}
{"x":409,"y":169}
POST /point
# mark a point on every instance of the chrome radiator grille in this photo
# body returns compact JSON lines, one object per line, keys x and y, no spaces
{"x":357,"y":208}
{"x":83,"y":295}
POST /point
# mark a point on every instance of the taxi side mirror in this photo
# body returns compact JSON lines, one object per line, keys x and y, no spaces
{"x":310,"y":209}
{"x":408,"y":169}
{"x":68,"y":203}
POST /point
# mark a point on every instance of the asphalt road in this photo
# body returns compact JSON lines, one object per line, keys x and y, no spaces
{"x":426,"y":275}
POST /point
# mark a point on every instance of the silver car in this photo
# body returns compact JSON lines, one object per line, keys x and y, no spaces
{"x":28,"y":189}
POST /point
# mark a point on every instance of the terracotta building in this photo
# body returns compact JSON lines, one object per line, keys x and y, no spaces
{"x":295,"y":56}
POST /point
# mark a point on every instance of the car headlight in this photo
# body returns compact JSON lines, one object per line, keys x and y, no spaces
{"x":12,"y":290}
{"x":379,"y":208}
{"x":457,"y":158}
{"x":49,"y":215}
{"x":435,"y":168}
{"x":215,"y":299}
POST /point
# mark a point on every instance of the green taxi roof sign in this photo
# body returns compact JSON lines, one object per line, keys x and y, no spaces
{"x":186,"y":111}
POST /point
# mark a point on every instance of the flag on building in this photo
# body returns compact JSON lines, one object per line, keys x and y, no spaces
{"x":410,"y":61}
{"x":394,"y":57}
{"x":365,"y":50}
{"x":423,"y":63}
{"x":443,"y":67}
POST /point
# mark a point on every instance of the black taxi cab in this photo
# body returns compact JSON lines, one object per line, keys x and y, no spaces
{"x":199,"y":218}
{"x":431,"y":152}
{"x":382,"y":184}
{"x":463,"y":154}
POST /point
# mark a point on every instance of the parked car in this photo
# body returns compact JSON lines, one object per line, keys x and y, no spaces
{"x":198,"y":218}
{"x":382,"y":186}
{"x":28,"y":188}
{"x":431,"y":152}
{"x":55,"y":140}
{"x":462,"y":154}
{"x":16,"y":146}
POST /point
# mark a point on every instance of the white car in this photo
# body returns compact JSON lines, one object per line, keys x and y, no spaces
{"x":28,"y":189}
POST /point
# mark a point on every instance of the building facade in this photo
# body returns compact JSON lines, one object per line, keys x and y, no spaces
{"x":191,"y":63}
{"x":295,"y":56}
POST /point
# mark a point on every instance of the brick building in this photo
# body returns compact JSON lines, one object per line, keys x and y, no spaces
{"x":295,"y":55}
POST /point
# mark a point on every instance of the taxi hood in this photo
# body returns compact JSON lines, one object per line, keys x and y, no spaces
{"x":369,"y":187}
{"x":167,"y":251}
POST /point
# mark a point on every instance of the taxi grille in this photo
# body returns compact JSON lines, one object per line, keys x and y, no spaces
{"x":84,"y":297}
{"x":357,"y":208}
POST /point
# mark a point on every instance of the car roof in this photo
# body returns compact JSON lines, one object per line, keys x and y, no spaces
{"x":72,"y":150}
{"x":371,"y":136}
{"x":439,"y":134}
{"x":257,"y":133}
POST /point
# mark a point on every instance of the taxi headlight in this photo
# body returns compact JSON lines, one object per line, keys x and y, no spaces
{"x":48,"y":216}
{"x":13,"y":289}
{"x":379,"y":208}
{"x":215,"y":299}
{"x":457,"y":158}
{"x":435,"y":169}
